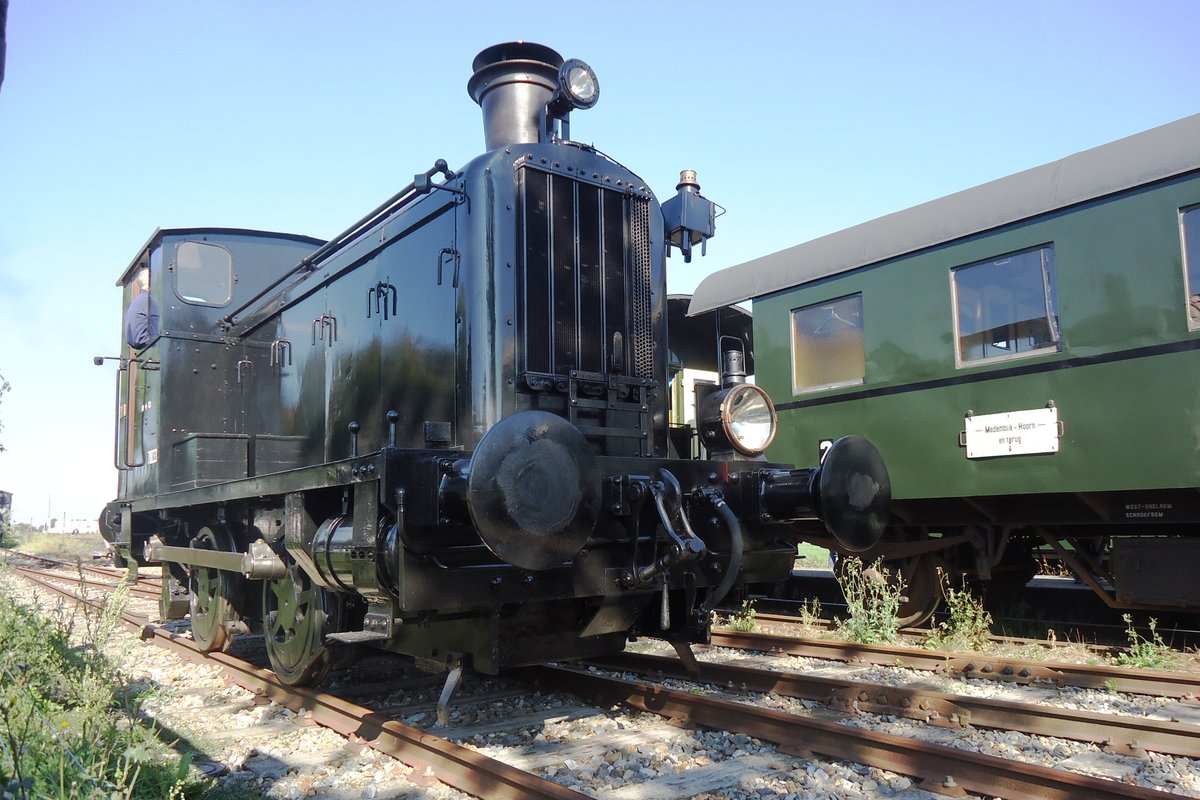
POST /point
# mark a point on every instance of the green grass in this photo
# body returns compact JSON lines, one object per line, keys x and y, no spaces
{"x":813,"y":557}
{"x":872,"y":600}
{"x":1144,"y":653}
{"x":69,"y":723}
{"x":969,"y":626}
{"x":65,"y":546}
{"x":743,"y":619}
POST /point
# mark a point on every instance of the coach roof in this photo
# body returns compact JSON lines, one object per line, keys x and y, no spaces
{"x":1156,"y":154}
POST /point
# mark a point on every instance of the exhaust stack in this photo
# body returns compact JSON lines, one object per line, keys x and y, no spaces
{"x":512,"y":83}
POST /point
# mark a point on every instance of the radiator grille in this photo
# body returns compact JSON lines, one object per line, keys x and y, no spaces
{"x":584,"y":300}
{"x":643,"y":343}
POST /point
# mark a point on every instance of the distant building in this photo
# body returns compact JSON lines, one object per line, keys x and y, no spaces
{"x":73,"y":525}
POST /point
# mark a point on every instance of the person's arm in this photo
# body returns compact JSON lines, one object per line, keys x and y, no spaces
{"x":138,"y":322}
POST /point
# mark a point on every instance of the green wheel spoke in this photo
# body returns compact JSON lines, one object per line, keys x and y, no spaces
{"x":211,"y":591}
{"x":296,"y":620}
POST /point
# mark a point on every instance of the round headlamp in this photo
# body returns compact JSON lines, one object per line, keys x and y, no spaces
{"x":578,"y":84}
{"x":739,"y":417}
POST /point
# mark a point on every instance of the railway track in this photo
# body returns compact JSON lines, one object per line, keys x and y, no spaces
{"x":454,"y":765}
{"x":1117,"y":733}
{"x":939,"y":766}
{"x":1078,"y":615}
{"x":1182,"y":685}
{"x":917,"y":636}
{"x":138,"y":590}
{"x":728,"y":699}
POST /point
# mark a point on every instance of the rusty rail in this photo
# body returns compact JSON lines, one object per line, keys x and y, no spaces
{"x":920,"y":634}
{"x":1123,"y":735}
{"x":974,"y":772}
{"x":135,"y":590}
{"x":973,"y":665}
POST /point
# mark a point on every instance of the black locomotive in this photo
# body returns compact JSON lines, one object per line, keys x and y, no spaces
{"x":445,"y":432}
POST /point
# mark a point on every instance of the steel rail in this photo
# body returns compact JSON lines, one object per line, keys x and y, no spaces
{"x":1184,"y":685}
{"x":128,"y":617}
{"x":99,"y":569}
{"x":135,"y":590}
{"x":921,"y":634}
{"x":1123,"y":735}
{"x":938,"y":765}
{"x":461,"y":767}
{"x":457,"y":766}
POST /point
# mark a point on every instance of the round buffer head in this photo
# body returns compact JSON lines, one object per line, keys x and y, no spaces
{"x":855,"y":493}
{"x":534,"y":490}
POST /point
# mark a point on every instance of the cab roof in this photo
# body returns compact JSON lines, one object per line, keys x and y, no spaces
{"x":142,"y":257}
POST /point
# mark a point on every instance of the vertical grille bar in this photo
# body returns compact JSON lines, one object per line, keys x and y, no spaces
{"x":591,"y":282}
{"x":640,"y":324}
{"x":613,"y":254}
{"x":562,"y":233}
{"x":535,"y":300}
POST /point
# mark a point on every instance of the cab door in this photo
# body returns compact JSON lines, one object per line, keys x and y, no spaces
{"x":136,"y":447}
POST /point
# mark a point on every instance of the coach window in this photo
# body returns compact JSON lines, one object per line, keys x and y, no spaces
{"x":827,"y":345}
{"x":203,"y":273}
{"x":1190,"y":224}
{"x":1006,"y":307}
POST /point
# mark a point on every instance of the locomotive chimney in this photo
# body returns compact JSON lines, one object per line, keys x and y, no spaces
{"x":512,"y":83}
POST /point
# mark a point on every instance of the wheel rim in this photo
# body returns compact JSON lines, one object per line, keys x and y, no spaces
{"x":923,"y":590}
{"x":209,"y":609}
{"x":295,"y":621}
{"x":210,"y":591}
{"x":922,"y":587}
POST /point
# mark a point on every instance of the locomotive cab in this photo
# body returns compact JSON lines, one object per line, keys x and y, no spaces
{"x":186,"y":410}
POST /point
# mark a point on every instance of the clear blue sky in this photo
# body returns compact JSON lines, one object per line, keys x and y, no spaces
{"x":801,"y":118}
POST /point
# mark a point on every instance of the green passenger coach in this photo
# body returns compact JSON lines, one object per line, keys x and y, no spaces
{"x":1026,"y":356}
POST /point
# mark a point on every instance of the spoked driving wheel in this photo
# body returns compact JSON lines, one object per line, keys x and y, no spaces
{"x":297,"y":615}
{"x":212,"y":591}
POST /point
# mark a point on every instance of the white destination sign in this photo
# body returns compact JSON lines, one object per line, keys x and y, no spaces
{"x":1012,"y":433}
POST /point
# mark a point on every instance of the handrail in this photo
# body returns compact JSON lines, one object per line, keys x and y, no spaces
{"x":419,"y":186}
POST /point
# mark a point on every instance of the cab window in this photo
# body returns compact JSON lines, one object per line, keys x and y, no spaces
{"x":203,"y":273}
{"x":827,"y":345}
{"x":1190,"y":229}
{"x":1006,"y":307}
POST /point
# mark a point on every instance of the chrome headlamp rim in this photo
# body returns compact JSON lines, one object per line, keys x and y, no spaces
{"x":569,"y":88}
{"x":727,"y":409}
